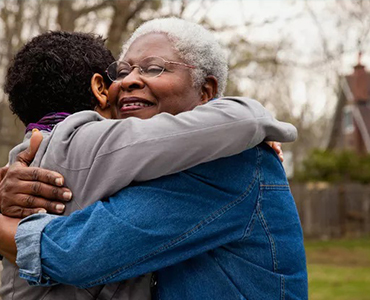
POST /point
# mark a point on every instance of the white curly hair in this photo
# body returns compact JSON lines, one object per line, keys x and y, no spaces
{"x":195,"y":45}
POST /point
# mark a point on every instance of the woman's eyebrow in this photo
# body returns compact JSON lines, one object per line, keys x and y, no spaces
{"x":135,"y":60}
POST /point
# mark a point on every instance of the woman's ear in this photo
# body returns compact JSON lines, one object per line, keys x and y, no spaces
{"x":209,"y":89}
{"x":100,"y":91}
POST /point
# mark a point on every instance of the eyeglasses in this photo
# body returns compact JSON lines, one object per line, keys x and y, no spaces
{"x":151,"y":66}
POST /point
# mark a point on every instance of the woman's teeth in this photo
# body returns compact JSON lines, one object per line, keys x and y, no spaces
{"x":136,"y":104}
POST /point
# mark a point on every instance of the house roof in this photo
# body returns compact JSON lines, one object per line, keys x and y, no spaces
{"x":336,"y":124}
{"x":355,"y":90}
{"x":361,"y":114}
{"x":364,"y":110}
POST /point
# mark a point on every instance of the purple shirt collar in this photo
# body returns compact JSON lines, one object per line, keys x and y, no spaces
{"x":48,"y":122}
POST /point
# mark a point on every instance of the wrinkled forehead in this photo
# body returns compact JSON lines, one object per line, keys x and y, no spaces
{"x":151,"y":44}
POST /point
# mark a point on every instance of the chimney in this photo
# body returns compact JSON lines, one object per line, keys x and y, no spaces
{"x":360,"y":82}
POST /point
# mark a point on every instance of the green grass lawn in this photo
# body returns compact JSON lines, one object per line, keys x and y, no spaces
{"x":339,"y":269}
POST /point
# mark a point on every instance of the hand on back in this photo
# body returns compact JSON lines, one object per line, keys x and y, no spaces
{"x":276,"y":146}
{"x":28,"y":190}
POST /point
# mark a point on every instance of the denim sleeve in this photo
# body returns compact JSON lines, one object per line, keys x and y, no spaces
{"x":28,"y":239}
{"x":148,"y":227}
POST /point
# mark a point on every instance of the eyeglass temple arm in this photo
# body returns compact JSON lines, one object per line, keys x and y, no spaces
{"x":180,"y":64}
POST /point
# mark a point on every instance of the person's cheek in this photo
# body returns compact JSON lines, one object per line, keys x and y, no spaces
{"x":113,"y":99}
{"x":113,"y":112}
{"x":113,"y":92}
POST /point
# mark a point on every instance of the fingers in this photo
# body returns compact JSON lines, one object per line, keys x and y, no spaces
{"x":35,"y":142}
{"x":43,"y":190}
{"x":32,"y":194}
{"x":278,"y":150}
{"x":22,"y":212}
{"x":24,"y":191}
{"x":276,"y":146}
{"x":26,"y":157}
{"x":29,"y":205}
{"x":36,"y":174}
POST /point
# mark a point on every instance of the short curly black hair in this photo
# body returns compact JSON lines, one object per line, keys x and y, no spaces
{"x":52,"y":73}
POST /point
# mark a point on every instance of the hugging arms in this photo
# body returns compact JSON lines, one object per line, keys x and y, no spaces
{"x":168,"y":220}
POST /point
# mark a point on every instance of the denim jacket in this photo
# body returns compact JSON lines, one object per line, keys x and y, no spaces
{"x":226,"y":229}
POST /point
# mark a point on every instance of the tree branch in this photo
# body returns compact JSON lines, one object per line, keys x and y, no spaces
{"x":138,"y":8}
{"x":320,"y":31}
{"x":86,"y":10}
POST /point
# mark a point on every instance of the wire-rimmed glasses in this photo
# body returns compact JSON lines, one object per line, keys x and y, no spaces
{"x":151,"y":66}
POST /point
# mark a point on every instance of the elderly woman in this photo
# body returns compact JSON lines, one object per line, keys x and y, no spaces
{"x":227,"y":229}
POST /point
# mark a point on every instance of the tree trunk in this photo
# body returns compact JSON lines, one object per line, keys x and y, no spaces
{"x":124,"y":12}
{"x":66,"y":15}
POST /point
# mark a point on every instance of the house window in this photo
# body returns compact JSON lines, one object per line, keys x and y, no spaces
{"x":348,"y":125}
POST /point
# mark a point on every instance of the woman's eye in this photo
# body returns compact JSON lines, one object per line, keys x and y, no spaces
{"x":153,"y":69}
{"x":123,"y":73}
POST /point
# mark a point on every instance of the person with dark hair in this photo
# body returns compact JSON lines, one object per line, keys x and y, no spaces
{"x":52,"y":73}
{"x":62,"y":79}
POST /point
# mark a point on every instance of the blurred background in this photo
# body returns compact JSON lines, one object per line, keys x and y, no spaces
{"x":306,"y":61}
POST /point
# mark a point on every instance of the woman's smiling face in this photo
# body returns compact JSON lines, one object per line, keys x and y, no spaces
{"x":143,"y":97}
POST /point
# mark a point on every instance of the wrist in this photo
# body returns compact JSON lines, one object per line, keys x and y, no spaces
{"x":8,"y":229}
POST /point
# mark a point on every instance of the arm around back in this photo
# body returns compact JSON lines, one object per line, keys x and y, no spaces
{"x":113,"y":153}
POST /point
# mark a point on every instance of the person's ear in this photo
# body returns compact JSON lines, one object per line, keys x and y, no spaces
{"x":209,"y":89}
{"x":100,"y":91}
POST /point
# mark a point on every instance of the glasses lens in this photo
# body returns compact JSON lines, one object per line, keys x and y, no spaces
{"x":152,"y":66}
{"x":118,"y":70}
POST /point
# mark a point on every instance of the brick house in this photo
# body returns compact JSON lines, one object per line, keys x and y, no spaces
{"x":351,"y":122}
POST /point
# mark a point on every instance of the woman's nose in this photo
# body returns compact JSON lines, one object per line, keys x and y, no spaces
{"x":132,"y":81}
